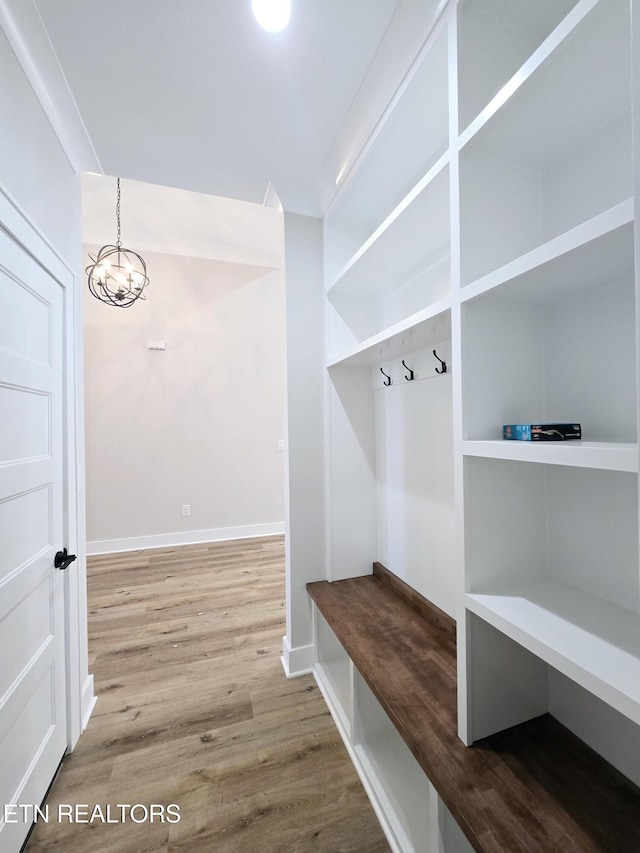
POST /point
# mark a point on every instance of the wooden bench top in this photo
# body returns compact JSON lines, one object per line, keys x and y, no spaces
{"x":535,"y":788}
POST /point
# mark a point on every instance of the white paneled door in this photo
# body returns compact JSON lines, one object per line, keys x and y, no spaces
{"x":32,"y":648}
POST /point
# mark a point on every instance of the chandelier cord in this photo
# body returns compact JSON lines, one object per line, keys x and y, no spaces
{"x":118,"y":241}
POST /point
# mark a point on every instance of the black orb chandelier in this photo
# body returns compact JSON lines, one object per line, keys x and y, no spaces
{"x":117,"y":276}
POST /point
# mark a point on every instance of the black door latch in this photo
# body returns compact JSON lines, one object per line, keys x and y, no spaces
{"x":62,"y":560}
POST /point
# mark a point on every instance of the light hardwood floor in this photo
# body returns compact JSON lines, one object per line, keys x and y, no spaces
{"x":194,"y":709}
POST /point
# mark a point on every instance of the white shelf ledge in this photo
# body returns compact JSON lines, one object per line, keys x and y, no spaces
{"x":425,"y":328}
{"x":599,"y":250}
{"x":610,"y":456}
{"x":591,"y":641}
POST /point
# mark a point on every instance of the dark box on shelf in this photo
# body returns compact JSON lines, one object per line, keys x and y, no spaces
{"x":541,"y":432}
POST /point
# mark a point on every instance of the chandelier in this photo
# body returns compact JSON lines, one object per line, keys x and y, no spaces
{"x":117,"y":276}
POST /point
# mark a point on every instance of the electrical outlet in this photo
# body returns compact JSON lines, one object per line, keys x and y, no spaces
{"x":186,"y":509}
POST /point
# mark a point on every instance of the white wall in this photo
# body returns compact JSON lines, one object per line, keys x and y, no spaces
{"x":36,"y":175}
{"x":33,"y":167}
{"x":196,"y":424}
{"x":180,"y":222}
{"x":305,"y":544}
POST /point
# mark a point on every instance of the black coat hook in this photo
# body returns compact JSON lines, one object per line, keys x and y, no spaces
{"x":410,"y":376}
{"x":388,"y":382}
{"x":444,"y":366}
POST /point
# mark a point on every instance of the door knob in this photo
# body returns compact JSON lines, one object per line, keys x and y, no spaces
{"x":62,"y":560}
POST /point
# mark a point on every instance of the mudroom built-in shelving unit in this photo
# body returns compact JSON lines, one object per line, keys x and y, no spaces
{"x":489,"y":225}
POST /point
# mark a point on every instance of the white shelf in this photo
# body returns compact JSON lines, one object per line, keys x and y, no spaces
{"x":414,"y":237}
{"x":609,"y":456}
{"x":557,"y":40}
{"x":428,"y":327}
{"x":495,"y":39}
{"x":401,"y":789}
{"x":335,"y":700}
{"x":566,"y":91}
{"x":598,"y":250}
{"x":333,"y":668}
{"x":416,"y":123}
{"x":591,"y":641}
{"x":557,"y":153}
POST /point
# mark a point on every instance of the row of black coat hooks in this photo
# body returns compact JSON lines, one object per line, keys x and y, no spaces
{"x":410,"y":376}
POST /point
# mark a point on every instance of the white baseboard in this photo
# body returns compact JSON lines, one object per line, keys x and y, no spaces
{"x":298,"y":661}
{"x":187,"y":537}
{"x":88,"y":701}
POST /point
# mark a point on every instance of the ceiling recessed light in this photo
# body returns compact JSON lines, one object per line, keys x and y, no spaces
{"x":272,"y":15}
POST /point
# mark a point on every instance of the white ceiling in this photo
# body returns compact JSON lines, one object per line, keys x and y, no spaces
{"x":193,"y":94}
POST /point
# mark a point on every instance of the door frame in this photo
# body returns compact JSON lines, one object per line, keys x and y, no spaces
{"x":80,"y":699}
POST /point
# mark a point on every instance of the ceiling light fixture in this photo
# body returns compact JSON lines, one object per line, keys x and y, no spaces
{"x":117,"y":276}
{"x":272,"y":15}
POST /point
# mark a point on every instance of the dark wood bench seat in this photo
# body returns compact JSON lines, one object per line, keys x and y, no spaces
{"x":535,"y":788}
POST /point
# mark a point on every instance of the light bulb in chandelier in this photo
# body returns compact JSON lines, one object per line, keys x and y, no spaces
{"x":117,"y":276}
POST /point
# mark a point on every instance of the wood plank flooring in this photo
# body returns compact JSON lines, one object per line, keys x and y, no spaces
{"x":194,"y":709}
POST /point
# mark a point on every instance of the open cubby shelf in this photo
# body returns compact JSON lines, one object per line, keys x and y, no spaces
{"x":495,"y":39}
{"x":425,"y":328}
{"x":526,"y":38}
{"x":529,"y":358}
{"x":388,"y":763}
{"x":417,"y":123}
{"x":556,"y":153}
{"x":592,"y":641}
{"x":596,"y":250}
{"x":413,"y":236}
{"x":400,"y":275}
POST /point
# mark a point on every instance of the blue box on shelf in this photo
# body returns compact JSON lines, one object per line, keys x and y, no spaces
{"x":542,"y":432}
